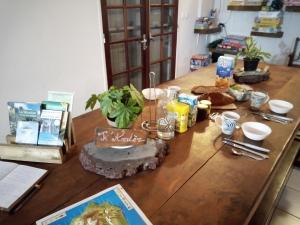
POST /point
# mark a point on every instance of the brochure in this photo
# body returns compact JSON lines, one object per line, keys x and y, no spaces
{"x":112,"y":206}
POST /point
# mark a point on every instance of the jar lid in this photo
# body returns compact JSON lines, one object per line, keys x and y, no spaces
{"x":205,"y":102}
{"x":202,"y":106}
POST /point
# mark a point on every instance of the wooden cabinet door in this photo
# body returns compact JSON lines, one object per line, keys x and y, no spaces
{"x":140,"y":36}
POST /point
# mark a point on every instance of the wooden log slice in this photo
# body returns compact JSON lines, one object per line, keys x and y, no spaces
{"x":117,"y":163}
{"x":251,"y":77}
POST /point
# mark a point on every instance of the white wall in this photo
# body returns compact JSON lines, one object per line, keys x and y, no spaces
{"x":189,"y":43}
{"x":49,"y":45}
{"x":239,"y":22}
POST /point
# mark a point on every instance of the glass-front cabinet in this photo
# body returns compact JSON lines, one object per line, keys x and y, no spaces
{"x":140,"y":36}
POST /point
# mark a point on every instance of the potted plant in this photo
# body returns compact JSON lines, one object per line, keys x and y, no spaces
{"x":252,"y":55}
{"x":121,"y":106}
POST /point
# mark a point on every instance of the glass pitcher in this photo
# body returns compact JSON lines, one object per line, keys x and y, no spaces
{"x":166,"y":119}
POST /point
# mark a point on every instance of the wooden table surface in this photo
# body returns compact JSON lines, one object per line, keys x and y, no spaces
{"x":200,"y":181}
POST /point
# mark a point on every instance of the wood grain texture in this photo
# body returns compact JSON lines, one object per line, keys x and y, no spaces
{"x":200,"y":181}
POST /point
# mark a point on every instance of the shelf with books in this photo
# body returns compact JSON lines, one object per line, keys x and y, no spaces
{"x":208,"y":30}
{"x":292,"y":8}
{"x":265,"y":34}
{"x":244,"y":7}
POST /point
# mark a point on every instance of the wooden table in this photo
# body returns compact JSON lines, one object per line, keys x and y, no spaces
{"x":200,"y":181}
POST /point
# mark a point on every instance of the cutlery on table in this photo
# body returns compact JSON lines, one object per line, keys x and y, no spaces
{"x":257,"y":148}
{"x":275,"y":118}
{"x":240,"y":153}
{"x":245,"y":149}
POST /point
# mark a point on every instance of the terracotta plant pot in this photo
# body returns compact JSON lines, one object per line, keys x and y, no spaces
{"x":250,"y":64}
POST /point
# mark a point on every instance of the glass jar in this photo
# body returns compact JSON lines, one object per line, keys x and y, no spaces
{"x":165,"y":118}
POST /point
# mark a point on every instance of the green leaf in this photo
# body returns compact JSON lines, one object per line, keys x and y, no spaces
{"x":136,"y":95}
{"x":91,"y":102}
{"x":106,"y":106}
{"x":252,"y":51}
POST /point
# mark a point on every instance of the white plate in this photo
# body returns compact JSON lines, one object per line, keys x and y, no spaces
{"x":152,"y":94}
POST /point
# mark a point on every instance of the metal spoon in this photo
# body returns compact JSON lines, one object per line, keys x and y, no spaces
{"x":274,"y":119}
{"x":240,"y":153}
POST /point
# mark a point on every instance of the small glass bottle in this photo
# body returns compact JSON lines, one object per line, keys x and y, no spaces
{"x":165,"y":119}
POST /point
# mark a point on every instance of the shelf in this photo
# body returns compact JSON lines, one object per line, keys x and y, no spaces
{"x":292,"y":8}
{"x":244,"y":7}
{"x":264,"y":34}
{"x":224,"y":51}
{"x":208,"y":31}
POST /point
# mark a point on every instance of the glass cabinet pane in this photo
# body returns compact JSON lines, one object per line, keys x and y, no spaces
{"x":134,"y":54}
{"x":156,"y":69}
{"x":114,"y":2}
{"x":166,"y":70}
{"x":168,"y":19}
{"x":155,"y":20}
{"x":135,"y":78}
{"x":134,"y":22}
{"x":168,"y":1}
{"x":118,"y":60}
{"x":120,"y":80}
{"x":155,"y":2}
{"x":133,"y":2}
{"x":155,"y":49}
{"x":167,"y":46}
{"x":115,"y":24}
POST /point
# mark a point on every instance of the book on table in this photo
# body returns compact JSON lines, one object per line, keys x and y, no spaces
{"x":110,"y":206}
{"x":16,"y":181}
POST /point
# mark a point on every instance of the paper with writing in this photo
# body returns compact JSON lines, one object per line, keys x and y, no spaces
{"x":108,"y":137}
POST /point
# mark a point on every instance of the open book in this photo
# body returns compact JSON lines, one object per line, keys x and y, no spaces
{"x":110,"y":206}
{"x":16,"y":181}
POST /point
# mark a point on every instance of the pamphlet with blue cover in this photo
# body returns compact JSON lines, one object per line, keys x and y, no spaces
{"x":50,"y":128}
{"x":27,"y":132}
{"x":110,"y":206}
{"x":22,"y":111}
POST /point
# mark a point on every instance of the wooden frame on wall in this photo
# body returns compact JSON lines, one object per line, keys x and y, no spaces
{"x":295,"y":56}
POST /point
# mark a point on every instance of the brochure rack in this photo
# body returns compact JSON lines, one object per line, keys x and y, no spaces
{"x":37,"y":153}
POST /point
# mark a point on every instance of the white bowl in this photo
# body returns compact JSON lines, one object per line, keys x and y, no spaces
{"x":280,"y":106}
{"x":256,"y":131}
{"x":152,"y":93}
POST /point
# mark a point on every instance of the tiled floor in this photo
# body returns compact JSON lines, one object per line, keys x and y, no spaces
{"x":288,"y":209}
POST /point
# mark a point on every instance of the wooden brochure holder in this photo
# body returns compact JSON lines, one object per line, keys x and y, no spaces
{"x":37,"y":153}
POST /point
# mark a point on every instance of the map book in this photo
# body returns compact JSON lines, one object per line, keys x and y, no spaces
{"x":16,"y":181}
{"x":110,"y":206}
{"x":27,"y":132}
{"x":50,"y":128}
{"x":24,"y":111}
